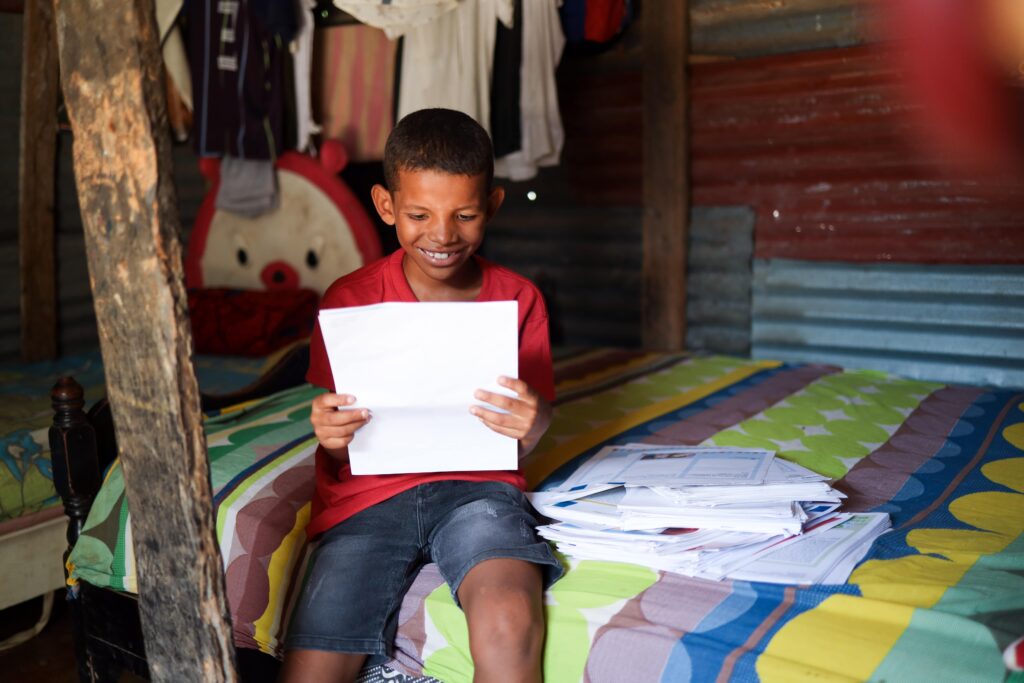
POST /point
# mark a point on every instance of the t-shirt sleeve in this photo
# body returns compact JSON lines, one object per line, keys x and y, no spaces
{"x":535,"y":351}
{"x":319,"y":372}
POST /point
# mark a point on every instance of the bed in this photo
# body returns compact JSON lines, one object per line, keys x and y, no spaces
{"x":937,"y":598}
{"x":33,"y":526}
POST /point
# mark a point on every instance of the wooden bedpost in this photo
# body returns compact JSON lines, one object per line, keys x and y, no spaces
{"x":111,"y":76}
{"x":76,"y":468}
{"x":665,"y":174}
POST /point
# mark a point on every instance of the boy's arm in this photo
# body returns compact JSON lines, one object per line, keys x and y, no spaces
{"x":528,"y":416}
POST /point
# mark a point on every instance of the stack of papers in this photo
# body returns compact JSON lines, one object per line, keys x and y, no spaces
{"x":715,"y":513}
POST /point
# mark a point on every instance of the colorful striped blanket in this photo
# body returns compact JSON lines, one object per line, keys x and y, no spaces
{"x":26,"y":480}
{"x":936,"y":599}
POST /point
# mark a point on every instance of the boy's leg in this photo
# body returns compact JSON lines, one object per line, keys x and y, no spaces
{"x":486,"y":548}
{"x":319,"y":666}
{"x":503,"y":602}
{"x":348,"y":605}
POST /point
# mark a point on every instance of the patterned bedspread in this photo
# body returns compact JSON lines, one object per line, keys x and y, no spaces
{"x":936,"y":599}
{"x":26,"y":481}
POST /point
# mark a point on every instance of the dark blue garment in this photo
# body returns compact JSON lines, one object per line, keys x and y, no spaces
{"x":363,"y":566}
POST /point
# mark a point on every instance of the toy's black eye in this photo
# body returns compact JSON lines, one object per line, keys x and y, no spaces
{"x":243,"y":258}
{"x":312,"y":260}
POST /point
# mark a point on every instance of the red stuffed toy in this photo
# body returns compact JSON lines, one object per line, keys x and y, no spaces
{"x":255,"y":283}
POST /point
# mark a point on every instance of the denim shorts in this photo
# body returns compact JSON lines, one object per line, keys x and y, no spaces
{"x":362,"y":567}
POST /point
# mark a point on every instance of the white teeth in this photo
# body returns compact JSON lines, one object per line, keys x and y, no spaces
{"x":437,"y":256}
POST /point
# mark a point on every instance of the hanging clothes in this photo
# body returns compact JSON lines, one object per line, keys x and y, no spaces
{"x":248,"y":187}
{"x":506,"y":118}
{"x":396,"y":17}
{"x":302,"y":62}
{"x":447,"y":62}
{"x":178,"y":81}
{"x":354,"y":88}
{"x":542,"y":133}
{"x":240,"y":82}
{"x":595,"y":21}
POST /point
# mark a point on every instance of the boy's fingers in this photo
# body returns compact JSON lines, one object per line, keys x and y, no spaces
{"x":330,"y":400}
{"x":497,"y":400}
{"x":336,"y":418}
{"x":494,"y":419}
{"x":501,"y":429}
{"x":516,"y":385}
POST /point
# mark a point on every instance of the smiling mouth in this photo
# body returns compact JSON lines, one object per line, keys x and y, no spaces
{"x":438,"y":256}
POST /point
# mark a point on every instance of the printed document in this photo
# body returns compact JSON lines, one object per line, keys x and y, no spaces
{"x":415,"y":367}
{"x":646,"y":464}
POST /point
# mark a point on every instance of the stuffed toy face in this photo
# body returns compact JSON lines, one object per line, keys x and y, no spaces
{"x":318,"y":232}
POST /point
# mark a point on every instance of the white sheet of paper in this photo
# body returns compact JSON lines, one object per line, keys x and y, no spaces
{"x":415,"y":366}
{"x":652,"y":465}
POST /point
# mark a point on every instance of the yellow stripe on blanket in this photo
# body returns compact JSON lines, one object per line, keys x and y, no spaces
{"x":893,"y":589}
{"x":279,"y":573}
{"x":844,"y":638}
{"x":613,"y":370}
{"x":542,"y":464}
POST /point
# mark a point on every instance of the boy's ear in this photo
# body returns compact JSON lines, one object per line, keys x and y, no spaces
{"x":383,"y":202}
{"x":494,"y":200}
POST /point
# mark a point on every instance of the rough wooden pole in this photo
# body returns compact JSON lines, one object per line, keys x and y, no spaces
{"x":36,"y":183}
{"x":666,"y":178}
{"x":111,"y":74}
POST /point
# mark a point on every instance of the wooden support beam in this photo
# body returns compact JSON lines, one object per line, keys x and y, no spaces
{"x":111,"y":74}
{"x":36,"y":183}
{"x":666,"y":174}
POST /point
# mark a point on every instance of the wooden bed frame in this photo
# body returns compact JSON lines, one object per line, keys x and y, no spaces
{"x":106,"y":626}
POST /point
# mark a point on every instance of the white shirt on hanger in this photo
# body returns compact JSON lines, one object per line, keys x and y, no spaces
{"x":541,"y":122}
{"x":447,"y":62}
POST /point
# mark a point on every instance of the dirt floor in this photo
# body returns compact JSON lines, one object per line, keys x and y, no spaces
{"x":47,"y":658}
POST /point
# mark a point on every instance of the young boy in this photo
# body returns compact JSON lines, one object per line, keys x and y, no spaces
{"x":377,"y":531}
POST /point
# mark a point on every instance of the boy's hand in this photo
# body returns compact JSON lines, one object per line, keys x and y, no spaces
{"x":335,"y":428}
{"x":528,"y":417}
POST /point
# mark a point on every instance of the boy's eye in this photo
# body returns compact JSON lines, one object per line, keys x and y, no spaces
{"x":466,"y":216}
{"x":417,"y":216}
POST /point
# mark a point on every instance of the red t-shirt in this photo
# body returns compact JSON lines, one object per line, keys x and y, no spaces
{"x":340,"y":494}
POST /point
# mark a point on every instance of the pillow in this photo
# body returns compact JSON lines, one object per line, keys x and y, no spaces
{"x":250,"y":322}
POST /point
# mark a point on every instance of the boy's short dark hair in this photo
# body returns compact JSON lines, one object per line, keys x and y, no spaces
{"x":438,"y":140}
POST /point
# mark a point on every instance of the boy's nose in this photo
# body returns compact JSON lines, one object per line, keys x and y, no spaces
{"x":443,"y":232}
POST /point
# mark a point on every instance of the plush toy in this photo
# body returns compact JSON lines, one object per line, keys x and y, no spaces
{"x":254,"y":283}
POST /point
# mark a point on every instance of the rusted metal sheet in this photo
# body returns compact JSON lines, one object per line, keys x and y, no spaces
{"x":952,"y":323}
{"x":826,"y":149}
{"x":822,"y":144}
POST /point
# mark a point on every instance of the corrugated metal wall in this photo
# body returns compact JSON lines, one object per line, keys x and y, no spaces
{"x":77,"y":319}
{"x":953,"y":323}
{"x":718,"y":275}
{"x":824,"y":147}
{"x":821,"y":143}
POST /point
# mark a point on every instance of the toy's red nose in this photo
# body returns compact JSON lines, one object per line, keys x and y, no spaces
{"x":279,"y":275}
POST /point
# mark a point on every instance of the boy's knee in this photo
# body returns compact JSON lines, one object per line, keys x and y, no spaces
{"x":503,"y":601}
{"x":507,"y":627}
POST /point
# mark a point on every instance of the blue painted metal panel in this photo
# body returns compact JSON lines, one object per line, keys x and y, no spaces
{"x":961,"y":324}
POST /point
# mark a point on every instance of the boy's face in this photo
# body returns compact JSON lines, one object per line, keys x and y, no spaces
{"x":439,"y":219}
